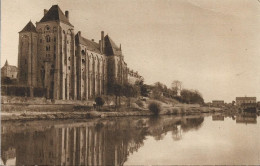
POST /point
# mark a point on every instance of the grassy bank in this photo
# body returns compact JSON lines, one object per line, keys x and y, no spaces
{"x":39,"y":109}
{"x":36,"y":112}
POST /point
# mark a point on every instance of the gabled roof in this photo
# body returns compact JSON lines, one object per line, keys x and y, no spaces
{"x":9,"y":66}
{"x":55,"y":14}
{"x":115,"y":49}
{"x":29,"y":28}
{"x":91,"y":45}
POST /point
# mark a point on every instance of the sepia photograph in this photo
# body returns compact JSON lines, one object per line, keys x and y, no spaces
{"x":130,"y":82}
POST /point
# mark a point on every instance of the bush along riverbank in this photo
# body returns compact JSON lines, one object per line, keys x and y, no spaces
{"x":74,"y":111}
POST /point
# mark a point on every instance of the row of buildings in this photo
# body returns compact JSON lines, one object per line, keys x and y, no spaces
{"x":239,"y":101}
{"x":71,"y":67}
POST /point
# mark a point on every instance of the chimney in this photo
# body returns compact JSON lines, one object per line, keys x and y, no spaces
{"x":92,"y":39}
{"x":67,"y":14}
{"x":102,"y":47}
{"x":45,"y":11}
{"x":79,"y":33}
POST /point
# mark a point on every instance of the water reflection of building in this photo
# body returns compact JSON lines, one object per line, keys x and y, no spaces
{"x":8,"y":154}
{"x":247,"y":118}
{"x":103,"y":143}
{"x":218,"y":118}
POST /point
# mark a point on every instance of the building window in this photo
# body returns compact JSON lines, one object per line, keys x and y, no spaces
{"x":40,"y":40}
{"x":25,"y":62}
{"x":54,"y":47}
{"x":54,"y":56}
{"x":48,"y":48}
{"x":54,"y":39}
{"x":69,"y":67}
{"x":48,"y":39}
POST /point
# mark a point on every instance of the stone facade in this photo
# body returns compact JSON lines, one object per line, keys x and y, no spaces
{"x":245,"y":100}
{"x":133,"y":77}
{"x":69,"y":66}
{"x":9,"y":71}
{"x":218,"y":103}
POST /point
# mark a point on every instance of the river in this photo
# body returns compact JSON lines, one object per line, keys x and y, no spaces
{"x":166,"y":140}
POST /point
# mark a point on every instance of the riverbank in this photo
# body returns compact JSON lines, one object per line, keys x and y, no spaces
{"x":18,"y":108}
{"x":12,"y":112}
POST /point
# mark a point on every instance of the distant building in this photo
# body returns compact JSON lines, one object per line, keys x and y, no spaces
{"x":245,"y":100}
{"x":9,"y":71}
{"x":133,"y":77}
{"x":217,"y":103}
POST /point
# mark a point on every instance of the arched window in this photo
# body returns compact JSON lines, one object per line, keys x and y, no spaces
{"x":48,"y":39}
{"x":48,"y":48}
{"x":54,"y":29}
{"x":83,"y":52}
{"x":47,"y":28}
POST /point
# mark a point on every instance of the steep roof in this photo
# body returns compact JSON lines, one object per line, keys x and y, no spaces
{"x":6,"y":63}
{"x":115,"y":49}
{"x":55,"y":14}
{"x":9,"y":66}
{"x":29,"y":28}
{"x":91,"y":45}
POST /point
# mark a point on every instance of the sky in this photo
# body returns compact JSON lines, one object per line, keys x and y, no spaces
{"x":210,"y":46}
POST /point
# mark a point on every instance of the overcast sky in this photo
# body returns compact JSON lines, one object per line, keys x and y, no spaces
{"x":211,"y":46}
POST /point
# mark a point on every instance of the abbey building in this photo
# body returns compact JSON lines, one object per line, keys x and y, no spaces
{"x":68,"y":65}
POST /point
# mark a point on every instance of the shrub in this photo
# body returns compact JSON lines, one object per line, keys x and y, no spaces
{"x":140,"y":103}
{"x":99,"y":101}
{"x":155,"y":108}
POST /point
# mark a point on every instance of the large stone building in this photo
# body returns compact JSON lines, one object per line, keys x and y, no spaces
{"x":68,"y":65}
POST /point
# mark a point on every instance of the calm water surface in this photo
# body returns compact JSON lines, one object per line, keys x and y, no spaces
{"x":133,"y":141}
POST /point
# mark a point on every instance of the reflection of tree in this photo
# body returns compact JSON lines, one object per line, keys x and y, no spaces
{"x":177,"y":133}
{"x":192,"y":123}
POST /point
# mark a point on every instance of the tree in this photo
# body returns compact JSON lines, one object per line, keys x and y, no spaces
{"x":191,"y":96}
{"x":177,"y":87}
{"x":129,"y":91}
{"x":99,"y":102}
{"x":143,"y":88}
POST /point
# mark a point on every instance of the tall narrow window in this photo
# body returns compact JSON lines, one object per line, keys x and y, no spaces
{"x":48,"y":39}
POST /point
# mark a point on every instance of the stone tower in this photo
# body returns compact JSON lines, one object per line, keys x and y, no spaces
{"x":27,"y":55}
{"x":56,"y":64}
